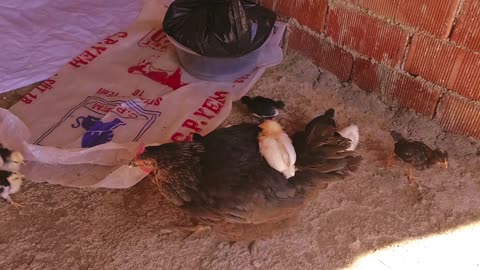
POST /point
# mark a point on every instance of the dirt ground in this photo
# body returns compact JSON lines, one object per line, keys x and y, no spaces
{"x":373,"y":220}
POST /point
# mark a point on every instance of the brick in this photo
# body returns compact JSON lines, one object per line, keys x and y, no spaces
{"x":322,"y":53}
{"x":412,"y":93}
{"x":467,"y":28}
{"x":268,"y":3}
{"x":445,"y":64}
{"x":364,"y":75}
{"x":310,"y":13}
{"x":369,"y":36}
{"x":406,"y":90}
{"x":459,"y":115}
{"x":433,"y":16}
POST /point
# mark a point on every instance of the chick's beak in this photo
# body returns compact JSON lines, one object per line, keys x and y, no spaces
{"x":445,"y":164}
{"x":17,"y":157}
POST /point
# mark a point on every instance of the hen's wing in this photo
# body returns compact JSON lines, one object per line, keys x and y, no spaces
{"x":237,"y":184}
{"x":230,"y":149}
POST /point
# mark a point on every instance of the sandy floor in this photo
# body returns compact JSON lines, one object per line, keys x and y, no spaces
{"x":361,"y":223}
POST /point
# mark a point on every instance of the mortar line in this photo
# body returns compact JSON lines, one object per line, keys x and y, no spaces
{"x":455,"y":18}
{"x":406,"y":51}
{"x":437,"y":105}
{"x":325,"y":20}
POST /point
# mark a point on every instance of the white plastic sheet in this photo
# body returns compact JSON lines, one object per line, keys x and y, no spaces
{"x":83,"y":124}
{"x":38,"y":37}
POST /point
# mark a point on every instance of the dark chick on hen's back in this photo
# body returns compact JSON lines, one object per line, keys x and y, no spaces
{"x":263,"y":107}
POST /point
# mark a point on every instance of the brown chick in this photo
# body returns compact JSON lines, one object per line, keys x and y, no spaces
{"x":417,"y":154}
{"x":222,"y":178}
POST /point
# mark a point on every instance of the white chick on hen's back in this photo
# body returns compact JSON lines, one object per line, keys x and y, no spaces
{"x":276,"y":147}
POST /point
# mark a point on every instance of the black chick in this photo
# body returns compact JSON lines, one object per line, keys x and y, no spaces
{"x":10,"y":179}
{"x":417,"y":154}
{"x":10,"y":160}
{"x":262,"y":107}
{"x":222,"y":178}
{"x":10,"y":183}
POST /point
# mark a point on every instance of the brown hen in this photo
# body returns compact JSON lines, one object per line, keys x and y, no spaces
{"x":223,"y":179}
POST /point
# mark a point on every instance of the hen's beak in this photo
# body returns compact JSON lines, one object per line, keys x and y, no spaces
{"x":144,"y":165}
{"x":133,"y":163}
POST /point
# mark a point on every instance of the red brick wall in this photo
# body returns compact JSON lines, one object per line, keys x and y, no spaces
{"x":422,"y":54}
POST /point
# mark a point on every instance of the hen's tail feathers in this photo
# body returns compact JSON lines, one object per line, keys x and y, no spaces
{"x":320,"y":127}
{"x":396,"y":135}
{"x":352,"y":133}
{"x":330,"y":113}
{"x":324,"y":154}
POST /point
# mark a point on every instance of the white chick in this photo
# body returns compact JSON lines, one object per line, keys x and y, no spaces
{"x":10,"y":160}
{"x":351,"y":132}
{"x":276,"y":147}
{"x":10,"y":183}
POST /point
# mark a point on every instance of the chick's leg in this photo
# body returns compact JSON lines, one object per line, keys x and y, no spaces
{"x":192,"y":230}
{"x":195,"y":230}
{"x":390,"y":161}
{"x":410,"y":176}
{"x":17,"y":205}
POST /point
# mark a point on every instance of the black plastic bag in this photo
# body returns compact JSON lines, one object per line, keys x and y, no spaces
{"x":219,"y":28}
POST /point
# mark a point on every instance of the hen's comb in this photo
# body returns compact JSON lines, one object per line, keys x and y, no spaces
{"x":140,"y":149}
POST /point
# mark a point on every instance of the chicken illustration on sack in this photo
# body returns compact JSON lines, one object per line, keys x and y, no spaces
{"x":162,"y":68}
{"x":99,"y":132}
{"x":155,"y":39}
{"x":98,"y":121}
{"x":171,"y":78}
